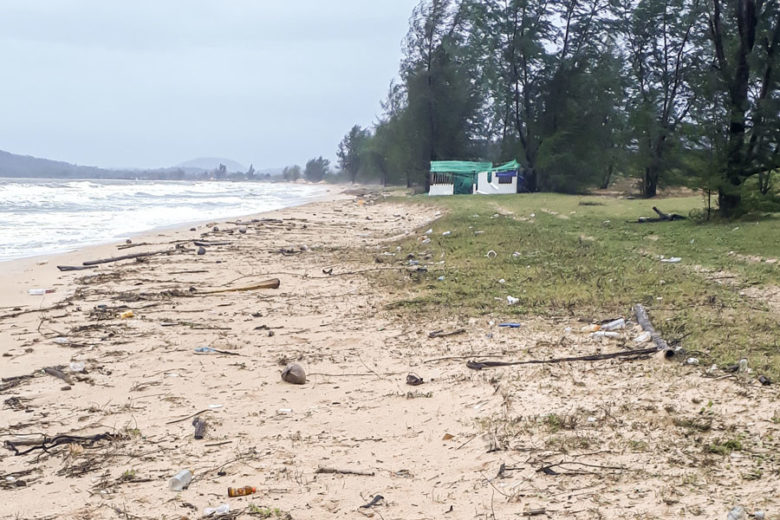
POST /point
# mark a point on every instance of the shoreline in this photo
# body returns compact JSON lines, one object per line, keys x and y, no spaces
{"x":325,"y":191}
{"x":19,"y":274}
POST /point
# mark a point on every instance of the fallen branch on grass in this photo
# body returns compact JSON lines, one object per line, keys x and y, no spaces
{"x":662,"y":217}
{"x":628,"y":354}
{"x":643,"y":320}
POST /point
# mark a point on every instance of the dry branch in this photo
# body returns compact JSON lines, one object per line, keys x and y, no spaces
{"x":344,"y":471}
{"x":629,"y":354}
{"x":130,"y":257}
{"x":644,"y":321}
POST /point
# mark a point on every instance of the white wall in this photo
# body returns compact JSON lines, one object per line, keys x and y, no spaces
{"x":441,"y":189}
{"x":492,"y":188}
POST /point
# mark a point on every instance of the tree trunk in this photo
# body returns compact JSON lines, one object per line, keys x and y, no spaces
{"x":650,"y":182}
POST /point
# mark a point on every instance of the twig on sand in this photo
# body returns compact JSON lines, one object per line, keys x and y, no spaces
{"x":321,"y":470}
{"x":273,"y":283}
{"x":189,"y":416}
{"x":442,"y":334}
{"x":628,"y":354}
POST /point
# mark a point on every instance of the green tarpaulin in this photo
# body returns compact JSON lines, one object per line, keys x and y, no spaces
{"x":464,"y":173}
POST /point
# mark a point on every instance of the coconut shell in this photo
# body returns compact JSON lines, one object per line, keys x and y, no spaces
{"x":294,"y":373}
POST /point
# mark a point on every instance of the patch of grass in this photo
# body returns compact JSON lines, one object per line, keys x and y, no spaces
{"x":267,"y":512}
{"x":724,"y":447}
{"x":581,"y":257}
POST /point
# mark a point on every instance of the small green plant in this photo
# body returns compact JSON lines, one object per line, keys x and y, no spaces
{"x":268,"y":512}
{"x":725,"y":448}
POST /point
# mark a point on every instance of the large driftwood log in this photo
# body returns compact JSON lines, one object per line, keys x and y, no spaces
{"x":644,"y":321}
{"x":130,"y":257}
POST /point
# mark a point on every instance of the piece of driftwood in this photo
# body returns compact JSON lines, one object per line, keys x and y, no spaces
{"x":628,"y":354}
{"x":644,"y":321}
{"x":46,"y":443}
{"x":201,"y":243}
{"x":10,"y":382}
{"x":132,"y":244}
{"x":374,"y":501}
{"x":273,"y":283}
{"x":40,"y":309}
{"x":130,"y":257}
{"x":321,"y":470}
{"x":75,"y":267}
{"x":442,"y":334}
{"x":56,"y":372}
{"x":662,"y":217}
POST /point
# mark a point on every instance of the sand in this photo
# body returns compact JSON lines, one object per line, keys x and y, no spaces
{"x":608,"y":439}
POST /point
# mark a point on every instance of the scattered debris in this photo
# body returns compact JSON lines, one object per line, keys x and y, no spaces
{"x":200,"y":427}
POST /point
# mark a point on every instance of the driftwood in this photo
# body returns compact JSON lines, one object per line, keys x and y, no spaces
{"x":128,"y":246}
{"x":628,"y":354}
{"x":10,"y":382}
{"x":56,"y":372}
{"x":344,"y":472}
{"x":273,"y":283}
{"x":47,"y":443}
{"x":201,"y":243}
{"x":442,"y":334}
{"x":662,"y":217}
{"x":75,"y":267}
{"x":644,"y":321}
{"x":130,"y":257}
{"x":41,"y":309}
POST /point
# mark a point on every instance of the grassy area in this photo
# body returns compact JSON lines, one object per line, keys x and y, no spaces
{"x":579,"y":257}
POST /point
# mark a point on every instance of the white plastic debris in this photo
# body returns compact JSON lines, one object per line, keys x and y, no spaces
{"x":491,"y":254}
{"x":643,"y":337}
{"x":221,"y":509}
{"x":672,"y":260}
{"x":426,"y":241}
{"x":77,"y":366}
{"x":511,"y":300}
{"x":604,"y":334}
{"x":692,"y":361}
{"x":430,"y":231}
{"x":446,"y":233}
{"x":502,"y":281}
{"x":617,"y":324}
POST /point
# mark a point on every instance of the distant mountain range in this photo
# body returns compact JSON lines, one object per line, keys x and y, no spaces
{"x":12,"y":165}
{"x":211,"y":163}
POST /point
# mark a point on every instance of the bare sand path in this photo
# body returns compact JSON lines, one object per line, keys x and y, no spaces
{"x":612,"y":439}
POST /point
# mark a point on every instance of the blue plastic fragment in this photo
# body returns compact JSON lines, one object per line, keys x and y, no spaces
{"x":510,"y":325}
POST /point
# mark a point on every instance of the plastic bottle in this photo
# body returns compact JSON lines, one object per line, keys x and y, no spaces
{"x":614,"y":325}
{"x":737,"y":513}
{"x":242,"y":491}
{"x":181,"y":480}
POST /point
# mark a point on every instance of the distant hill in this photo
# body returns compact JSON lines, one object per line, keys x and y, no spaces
{"x":12,"y":165}
{"x":211,"y":163}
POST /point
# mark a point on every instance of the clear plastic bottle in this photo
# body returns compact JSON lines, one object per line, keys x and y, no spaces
{"x":737,"y":513}
{"x":181,"y":480}
{"x":614,"y":325}
{"x":219,"y":510}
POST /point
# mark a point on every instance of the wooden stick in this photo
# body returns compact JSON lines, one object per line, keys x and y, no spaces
{"x":56,"y":372}
{"x":442,"y":334}
{"x":129,"y":257}
{"x":644,"y":321}
{"x":479,"y":365}
{"x":189,"y":416}
{"x":75,"y":267}
{"x":273,"y":283}
{"x":344,"y":471}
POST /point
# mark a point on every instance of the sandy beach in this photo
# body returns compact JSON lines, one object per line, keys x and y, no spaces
{"x":464,"y":444}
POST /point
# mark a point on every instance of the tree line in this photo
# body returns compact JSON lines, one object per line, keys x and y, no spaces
{"x":580,"y":91}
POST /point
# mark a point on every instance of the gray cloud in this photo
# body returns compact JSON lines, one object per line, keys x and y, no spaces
{"x":147,"y":84}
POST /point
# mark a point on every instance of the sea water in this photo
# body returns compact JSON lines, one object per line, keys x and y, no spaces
{"x":45,"y":216}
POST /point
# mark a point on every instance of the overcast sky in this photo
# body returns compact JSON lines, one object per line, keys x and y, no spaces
{"x":150,"y":83}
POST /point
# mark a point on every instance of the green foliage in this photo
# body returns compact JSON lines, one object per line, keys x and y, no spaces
{"x":291,"y":173}
{"x":588,"y":261}
{"x":316,"y":169}
{"x":352,"y":151}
